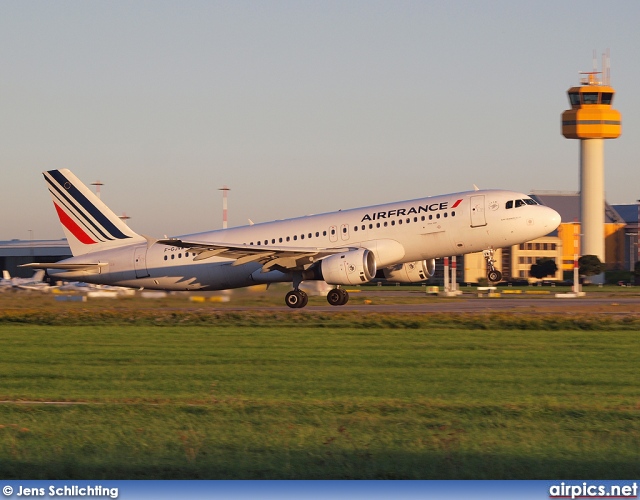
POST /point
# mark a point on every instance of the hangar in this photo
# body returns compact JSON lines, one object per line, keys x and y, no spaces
{"x":16,"y":252}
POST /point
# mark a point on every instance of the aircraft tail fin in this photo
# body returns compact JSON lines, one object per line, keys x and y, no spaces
{"x":88,"y":224}
{"x":38,"y":275}
{"x":6,"y":275}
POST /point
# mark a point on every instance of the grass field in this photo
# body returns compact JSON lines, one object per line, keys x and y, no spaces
{"x":263,"y":397}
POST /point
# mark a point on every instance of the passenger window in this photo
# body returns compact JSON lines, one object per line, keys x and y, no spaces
{"x":445,"y":214}
{"x":370,"y":226}
{"x":295,"y":237}
{"x":377,"y":224}
{"x":430,"y":216}
{"x":393,"y":223}
{"x":453,"y":214}
{"x":279,"y":240}
{"x":302,"y":236}
{"x":355,"y":228}
{"x":317,"y":234}
{"x":288,"y":238}
{"x":415,"y":219}
{"x":385,"y":223}
{"x":437,"y":216}
{"x":324,"y":233}
{"x":408,"y":220}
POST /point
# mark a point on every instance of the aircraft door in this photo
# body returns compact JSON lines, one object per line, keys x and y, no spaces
{"x":344,"y":231}
{"x":140,"y":261}
{"x":477,"y":211}
{"x":333,"y":234}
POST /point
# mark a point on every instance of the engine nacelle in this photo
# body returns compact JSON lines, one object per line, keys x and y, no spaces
{"x":349,"y":268}
{"x":410,"y":272}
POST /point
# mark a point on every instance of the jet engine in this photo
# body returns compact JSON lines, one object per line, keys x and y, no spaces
{"x":410,"y":272}
{"x":349,"y":268}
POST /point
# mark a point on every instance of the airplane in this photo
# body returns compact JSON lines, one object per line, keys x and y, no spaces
{"x":396,"y":241}
{"x":34,"y":283}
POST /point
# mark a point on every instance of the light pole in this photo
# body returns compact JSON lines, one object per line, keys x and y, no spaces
{"x":225,"y":190}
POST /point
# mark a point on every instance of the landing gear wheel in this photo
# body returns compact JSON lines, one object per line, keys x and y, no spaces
{"x":296,"y":299}
{"x":494,"y":276}
{"x":337,"y":297}
{"x":305,"y":299}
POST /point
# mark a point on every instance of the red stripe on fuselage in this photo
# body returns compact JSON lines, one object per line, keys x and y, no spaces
{"x":456,"y":204}
{"x":73,"y":227}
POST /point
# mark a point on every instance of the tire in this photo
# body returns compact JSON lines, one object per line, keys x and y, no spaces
{"x":294,"y":299}
{"x":334,"y":297}
{"x":345,"y":297}
{"x":494,"y":276}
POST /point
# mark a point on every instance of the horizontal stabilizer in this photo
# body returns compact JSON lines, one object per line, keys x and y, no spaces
{"x":67,"y":267}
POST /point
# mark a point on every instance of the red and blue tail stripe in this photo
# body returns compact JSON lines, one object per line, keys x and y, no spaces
{"x":91,"y":225}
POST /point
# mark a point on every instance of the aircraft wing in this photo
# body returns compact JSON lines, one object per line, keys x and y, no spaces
{"x":271,"y":257}
{"x":67,"y":267}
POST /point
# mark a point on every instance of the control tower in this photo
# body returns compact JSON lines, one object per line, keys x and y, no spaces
{"x":592,"y":119}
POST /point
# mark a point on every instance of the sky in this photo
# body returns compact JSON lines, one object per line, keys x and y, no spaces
{"x":298,"y":106}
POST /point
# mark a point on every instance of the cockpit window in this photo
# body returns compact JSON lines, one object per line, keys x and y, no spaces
{"x":509,"y":204}
{"x":529,"y":201}
{"x":519,"y":203}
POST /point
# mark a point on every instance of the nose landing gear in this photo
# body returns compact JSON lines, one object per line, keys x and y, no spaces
{"x":493,"y":275}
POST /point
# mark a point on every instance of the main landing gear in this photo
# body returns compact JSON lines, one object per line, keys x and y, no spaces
{"x":297,"y":299}
{"x":493,"y":275}
{"x":337,"y":297}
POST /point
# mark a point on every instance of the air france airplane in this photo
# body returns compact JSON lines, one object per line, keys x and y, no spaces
{"x":398,"y":242}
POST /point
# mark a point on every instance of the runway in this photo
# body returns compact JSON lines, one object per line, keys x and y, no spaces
{"x":595,"y":303}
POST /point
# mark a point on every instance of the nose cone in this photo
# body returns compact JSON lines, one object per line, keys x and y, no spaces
{"x":552,"y":219}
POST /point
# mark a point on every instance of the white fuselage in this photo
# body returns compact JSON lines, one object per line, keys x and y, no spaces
{"x":396,"y":233}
